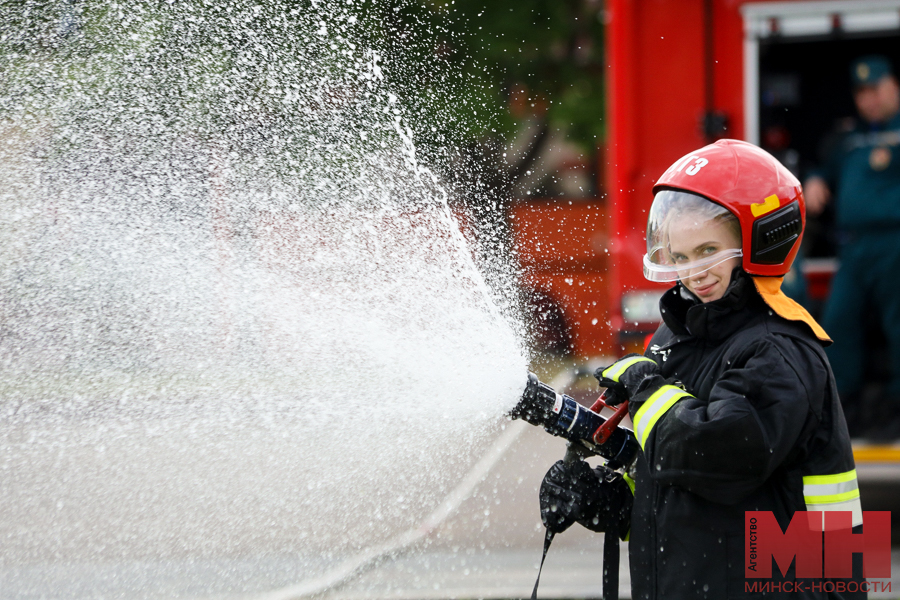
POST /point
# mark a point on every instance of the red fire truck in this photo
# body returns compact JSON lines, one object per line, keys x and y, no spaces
{"x":683,"y":73}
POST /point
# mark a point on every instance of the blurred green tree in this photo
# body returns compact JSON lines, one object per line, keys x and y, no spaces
{"x":500,"y":81}
{"x":509,"y":68}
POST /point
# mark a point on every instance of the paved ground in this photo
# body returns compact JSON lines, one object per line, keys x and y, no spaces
{"x":488,"y":546}
{"x":491,"y":548}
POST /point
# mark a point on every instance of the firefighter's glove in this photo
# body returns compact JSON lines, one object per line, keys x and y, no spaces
{"x":610,"y":510}
{"x":597,"y":499}
{"x":625,"y":377}
{"x":564,"y":493}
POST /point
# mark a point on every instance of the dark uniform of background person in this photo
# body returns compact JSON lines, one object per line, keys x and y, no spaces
{"x":861,"y":176}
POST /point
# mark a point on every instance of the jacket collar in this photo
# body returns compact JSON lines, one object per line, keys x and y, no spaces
{"x":685,"y":314}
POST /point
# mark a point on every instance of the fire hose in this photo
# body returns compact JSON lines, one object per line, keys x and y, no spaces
{"x":589,"y":434}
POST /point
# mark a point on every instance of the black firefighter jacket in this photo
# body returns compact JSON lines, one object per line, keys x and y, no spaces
{"x":758,"y":419}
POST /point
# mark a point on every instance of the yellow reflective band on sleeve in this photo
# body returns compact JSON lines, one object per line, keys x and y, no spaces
{"x":829,"y":489}
{"x":615,"y":370}
{"x":828,"y":499}
{"x":654,"y":408}
{"x":838,"y":492}
{"x":829,"y":479}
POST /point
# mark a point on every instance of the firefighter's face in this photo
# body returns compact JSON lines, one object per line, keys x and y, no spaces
{"x":692,"y":241}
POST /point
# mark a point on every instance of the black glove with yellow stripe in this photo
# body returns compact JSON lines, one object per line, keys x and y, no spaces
{"x":625,"y":377}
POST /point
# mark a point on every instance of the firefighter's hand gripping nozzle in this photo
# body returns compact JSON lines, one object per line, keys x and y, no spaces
{"x":562,"y":416}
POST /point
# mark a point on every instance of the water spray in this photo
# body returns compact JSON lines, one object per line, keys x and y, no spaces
{"x":218,"y":229}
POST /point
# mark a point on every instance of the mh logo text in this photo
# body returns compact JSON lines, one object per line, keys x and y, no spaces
{"x":822,"y":542}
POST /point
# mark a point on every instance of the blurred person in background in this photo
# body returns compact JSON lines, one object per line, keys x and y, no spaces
{"x":861,"y":176}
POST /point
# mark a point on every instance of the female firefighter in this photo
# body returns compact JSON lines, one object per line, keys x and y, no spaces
{"x":733,"y":403}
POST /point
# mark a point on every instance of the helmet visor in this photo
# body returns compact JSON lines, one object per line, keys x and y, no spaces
{"x":688,"y":235}
{"x":674,"y":272}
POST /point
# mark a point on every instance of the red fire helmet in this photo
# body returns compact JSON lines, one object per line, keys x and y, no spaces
{"x":750,"y":183}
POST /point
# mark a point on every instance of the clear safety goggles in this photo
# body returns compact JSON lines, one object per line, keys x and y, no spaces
{"x":671,"y":271}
